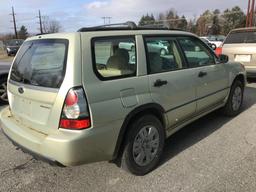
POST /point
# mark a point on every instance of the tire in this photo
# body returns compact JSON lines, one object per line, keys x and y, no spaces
{"x":235,"y":100}
{"x":3,"y":91}
{"x":137,"y":145}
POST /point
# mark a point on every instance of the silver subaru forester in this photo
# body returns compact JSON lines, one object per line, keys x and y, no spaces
{"x":89,"y":96}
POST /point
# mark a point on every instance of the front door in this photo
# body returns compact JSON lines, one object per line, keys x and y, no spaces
{"x":171,"y":83}
{"x":211,"y":78}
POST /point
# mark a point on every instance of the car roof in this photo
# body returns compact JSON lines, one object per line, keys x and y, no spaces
{"x":244,"y":29}
{"x":91,"y":34}
{"x":118,"y":29}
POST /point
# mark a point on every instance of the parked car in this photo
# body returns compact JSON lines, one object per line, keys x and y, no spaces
{"x":158,"y":46}
{"x":12,"y":46}
{"x":154,"y":46}
{"x":207,"y":42}
{"x":240,"y":46}
{"x":76,"y":98}
{"x":127,"y":45}
{"x":216,"y":39}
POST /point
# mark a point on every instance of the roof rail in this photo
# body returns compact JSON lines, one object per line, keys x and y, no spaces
{"x":115,"y":26}
{"x":38,"y":34}
{"x":129,"y":25}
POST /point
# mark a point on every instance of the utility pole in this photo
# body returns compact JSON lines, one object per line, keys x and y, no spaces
{"x":109,"y":18}
{"x":40,"y":21}
{"x":252,"y":14}
{"x":105,"y":20}
{"x":248,"y":13}
{"x":14,"y":23}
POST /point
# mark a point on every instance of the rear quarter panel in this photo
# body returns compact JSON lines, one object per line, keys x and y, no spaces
{"x":233,"y":70}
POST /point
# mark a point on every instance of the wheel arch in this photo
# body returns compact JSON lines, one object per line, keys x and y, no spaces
{"x":240,"y":77}
{"x":151,"y":108}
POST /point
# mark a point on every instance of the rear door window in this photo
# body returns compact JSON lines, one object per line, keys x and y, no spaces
{"x":114,"y":57}
{"x":241,"y":37}
{"x":41,"y":63}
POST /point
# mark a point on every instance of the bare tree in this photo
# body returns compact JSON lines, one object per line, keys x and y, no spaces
{"x":50,"y":25}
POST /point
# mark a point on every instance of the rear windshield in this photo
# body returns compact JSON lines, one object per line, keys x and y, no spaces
{"x":241,"y":37}
{"x":41,"y":63}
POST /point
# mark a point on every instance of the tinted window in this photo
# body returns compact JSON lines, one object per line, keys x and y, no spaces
{"x":241,"y":37}
{"x":41,"y":63}
{"x":114,"y":57}
{"x":163,"y":55}
{"x":196,"y":52}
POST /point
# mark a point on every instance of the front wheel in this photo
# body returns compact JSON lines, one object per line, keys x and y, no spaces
{"x":235,"y":99}
{"x":144,"y":145}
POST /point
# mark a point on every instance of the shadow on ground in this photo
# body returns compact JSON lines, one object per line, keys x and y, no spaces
{"x":202,"y":128}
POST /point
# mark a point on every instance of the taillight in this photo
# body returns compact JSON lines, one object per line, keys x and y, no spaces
{"x":218,"y":51}
{"x":75,"y":113}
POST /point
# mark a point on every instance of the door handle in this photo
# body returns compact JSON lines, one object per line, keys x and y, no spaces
{"x":202,"y":74}
{"x":159,"y":83}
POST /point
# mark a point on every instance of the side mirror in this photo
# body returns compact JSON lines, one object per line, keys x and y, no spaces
{"x":213,"y":46}
{"x":223,"y":58}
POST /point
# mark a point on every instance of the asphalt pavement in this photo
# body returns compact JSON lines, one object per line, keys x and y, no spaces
{"x":215,"y":153}
{"x":5,"y":62}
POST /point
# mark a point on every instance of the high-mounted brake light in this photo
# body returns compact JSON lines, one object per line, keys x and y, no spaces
{"x":75,"y":113}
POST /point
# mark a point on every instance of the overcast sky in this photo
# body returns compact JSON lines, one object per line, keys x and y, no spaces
{"x":73,"y":14}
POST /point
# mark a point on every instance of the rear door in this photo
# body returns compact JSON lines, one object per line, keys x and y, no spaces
{"x":171,"y":84}
{"x":35,"y":78}
{"x":211,"y":78}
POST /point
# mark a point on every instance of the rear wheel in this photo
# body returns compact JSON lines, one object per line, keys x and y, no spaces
{"x":235,"y":99}
{"x":3,"y":91}
{"x":144,"y":145}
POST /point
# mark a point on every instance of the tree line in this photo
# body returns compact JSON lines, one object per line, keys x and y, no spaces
{"x":208,"y":23}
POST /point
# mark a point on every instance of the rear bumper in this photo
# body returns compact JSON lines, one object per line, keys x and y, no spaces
{"x":62,"y":147}
{"x":251,"y":72}
{"x":35,"y":155}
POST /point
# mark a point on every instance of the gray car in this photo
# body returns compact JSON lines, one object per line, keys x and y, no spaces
{"x":13,"y":45}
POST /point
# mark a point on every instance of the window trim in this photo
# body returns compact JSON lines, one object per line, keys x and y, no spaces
{"x":204,"y":45}
{"x":168,"y":37}
{"x":96,"y":72}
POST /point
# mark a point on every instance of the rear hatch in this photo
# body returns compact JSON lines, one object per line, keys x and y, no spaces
{"x":35,"y":80}
{"x":240,"y":46}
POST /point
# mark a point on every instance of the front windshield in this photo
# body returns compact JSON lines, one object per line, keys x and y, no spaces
{"x":15,"y":42}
